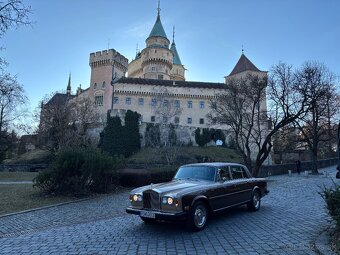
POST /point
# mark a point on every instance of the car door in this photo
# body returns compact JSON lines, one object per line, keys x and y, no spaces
{"x":241,"y":186}
{"x":219,"y":196}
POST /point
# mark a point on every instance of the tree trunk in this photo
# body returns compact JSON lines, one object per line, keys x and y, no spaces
{"x":314,"y":163}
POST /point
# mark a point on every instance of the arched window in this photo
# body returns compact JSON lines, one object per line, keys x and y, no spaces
{"x":104,"y":85}
{"x":95,"y":85}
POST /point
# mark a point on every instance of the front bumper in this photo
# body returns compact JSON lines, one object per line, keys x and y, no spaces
{"x":160,"y":215}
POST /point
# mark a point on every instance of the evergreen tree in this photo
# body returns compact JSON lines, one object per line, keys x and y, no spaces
{"x":172,"y":135}
{"x":112,"y":141}
{"x":204,"y":138}
{"x":131,"y":133}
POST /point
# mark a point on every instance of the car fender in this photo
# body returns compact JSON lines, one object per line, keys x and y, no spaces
{"x":200,"y":197}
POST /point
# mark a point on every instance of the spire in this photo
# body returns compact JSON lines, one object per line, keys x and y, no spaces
{"x":158,"y":30}
{"x":68,"y":89}
{"x":176,"y":59}
{"x":159,"y":8}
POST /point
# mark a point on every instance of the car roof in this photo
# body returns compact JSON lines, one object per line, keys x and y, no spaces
{"x":215,"y":164}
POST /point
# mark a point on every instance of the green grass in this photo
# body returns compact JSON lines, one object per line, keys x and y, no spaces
{"x":17,"y":176}
{"x":20,"y":197}
{"x":189,"y":154}
{"x":36,"y":156}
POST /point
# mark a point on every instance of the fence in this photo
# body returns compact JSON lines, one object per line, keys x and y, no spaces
{"x":305,"y":165}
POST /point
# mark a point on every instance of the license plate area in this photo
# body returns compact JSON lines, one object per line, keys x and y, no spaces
{"x":148,"y":214}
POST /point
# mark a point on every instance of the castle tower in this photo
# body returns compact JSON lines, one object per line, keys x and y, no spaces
{"x":178,"y":71}
{"x":157,"y":58}
{"x":106,"y":66}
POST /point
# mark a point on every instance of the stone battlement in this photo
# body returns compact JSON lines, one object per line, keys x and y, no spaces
{"x":107,"y":57}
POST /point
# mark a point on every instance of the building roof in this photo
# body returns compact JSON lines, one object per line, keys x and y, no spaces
{"x":244,"y":64}
{"x":171,"y":83}
{"x":158,"y":30}
{"x":59,"y":99}
{"x":176,"y":59}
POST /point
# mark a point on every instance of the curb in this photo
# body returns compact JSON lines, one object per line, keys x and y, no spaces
{"x":45,"y":207}
{"x":321,"y":243}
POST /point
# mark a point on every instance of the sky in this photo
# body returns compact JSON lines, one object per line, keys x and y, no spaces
{"x":209,"y":37}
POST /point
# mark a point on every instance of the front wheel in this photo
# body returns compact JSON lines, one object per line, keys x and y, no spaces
{"x":255,"y":203}
{"x":198,"y":216}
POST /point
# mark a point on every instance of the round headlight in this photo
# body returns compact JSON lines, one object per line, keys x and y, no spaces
{"x":135,"y":198}
{"x":164,"y":200}
{"x":170,"y":200}
{"x":140,"y":198}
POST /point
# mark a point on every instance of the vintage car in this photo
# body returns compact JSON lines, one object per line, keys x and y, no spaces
{"x":196,"y":192}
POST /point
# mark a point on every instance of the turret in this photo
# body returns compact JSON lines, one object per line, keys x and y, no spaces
{"x":157,"y":58}
{"x":178,"y":70}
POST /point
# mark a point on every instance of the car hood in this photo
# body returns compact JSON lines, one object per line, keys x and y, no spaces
{"x":173,"y":187}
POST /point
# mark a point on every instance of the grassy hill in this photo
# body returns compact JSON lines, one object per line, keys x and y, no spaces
{"x":36,"y":156}
{"x":186,"y":155}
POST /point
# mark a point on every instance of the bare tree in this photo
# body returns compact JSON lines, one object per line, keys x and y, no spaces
{"x":12,"y":101}
{"x":243,"y":108}
{"x":165,"y":109}
{"x":13,"y":13}
{"x":317,"y":84}
{"x":64,"y":121}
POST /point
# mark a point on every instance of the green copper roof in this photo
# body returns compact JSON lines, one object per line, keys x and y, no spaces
{"x":158,"y":29}
{"x":176,"y":60}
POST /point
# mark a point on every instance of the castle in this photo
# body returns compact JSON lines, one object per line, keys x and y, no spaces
{"x":156,"y":77}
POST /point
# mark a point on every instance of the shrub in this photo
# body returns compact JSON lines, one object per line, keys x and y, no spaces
{"x":332,"y":198}
{"x":79,"y":171}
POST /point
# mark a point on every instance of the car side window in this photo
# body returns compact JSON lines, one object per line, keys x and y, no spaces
{"x":224,"y":174}
{"x":238,"y":172}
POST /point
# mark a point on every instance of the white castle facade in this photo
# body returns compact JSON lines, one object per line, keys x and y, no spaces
{"x":156,"y":77}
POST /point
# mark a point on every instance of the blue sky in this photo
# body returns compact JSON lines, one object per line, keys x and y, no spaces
{"x":209,"y":36}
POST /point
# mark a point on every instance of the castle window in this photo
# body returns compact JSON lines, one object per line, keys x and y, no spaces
{"x":165,"y":103}
{"x":104,"y":85}
{"x":201,"y":121}
{"x":115,"y":100}
{"x":177,"y":104}
{"x":176,"y":120}
{"x":153,"y":68}
{"x":141,"y":101}
{"x":165,"y":119}
{"x":98,"y":100}
{"x":189,"y":104}
{"x":160,"y":77}
{"x":153,"y":102}
{"x":189,"y":120}
{"x":95,"y":85}
{"x":128,"y":100}
{"x":201,"y":104}
{"x":153,"y":118}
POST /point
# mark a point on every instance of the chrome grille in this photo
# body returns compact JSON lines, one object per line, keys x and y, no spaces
{"x":151,"y":200}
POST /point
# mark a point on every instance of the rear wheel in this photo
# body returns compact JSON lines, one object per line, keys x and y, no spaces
{"x":148,"y":220}
{"x":255,"y":203}
{"x":198,"y":216}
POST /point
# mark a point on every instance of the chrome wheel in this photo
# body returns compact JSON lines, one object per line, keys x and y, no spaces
{"x":255,"y":203}
{"x":256,"y":200}
{"x":200,"y":216}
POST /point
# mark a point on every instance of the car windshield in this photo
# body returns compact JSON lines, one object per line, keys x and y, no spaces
{"x":196,"y":173}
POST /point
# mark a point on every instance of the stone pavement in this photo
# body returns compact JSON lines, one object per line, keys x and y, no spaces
{"x":290,"y":218}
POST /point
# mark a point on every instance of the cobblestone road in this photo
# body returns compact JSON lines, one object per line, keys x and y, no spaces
{"x":290,"y":217}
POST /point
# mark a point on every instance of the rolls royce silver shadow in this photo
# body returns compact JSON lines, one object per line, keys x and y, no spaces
{"x":196,"y":192}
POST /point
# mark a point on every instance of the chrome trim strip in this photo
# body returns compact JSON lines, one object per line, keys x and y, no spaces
{"x":231,"y":193}
{"x":231,"y":206}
